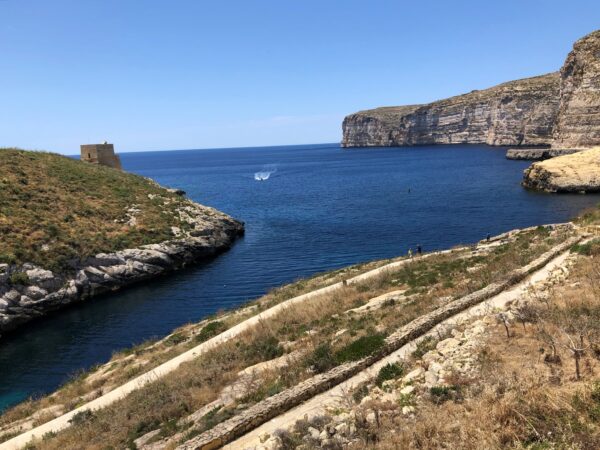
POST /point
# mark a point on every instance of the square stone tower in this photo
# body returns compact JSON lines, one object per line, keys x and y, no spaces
{"x":103,"y":154}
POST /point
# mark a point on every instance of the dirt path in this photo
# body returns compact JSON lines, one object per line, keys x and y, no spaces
{"x":338,"y":395}
{"x":62,"y":422}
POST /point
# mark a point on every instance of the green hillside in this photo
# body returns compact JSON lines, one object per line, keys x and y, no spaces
{"x":54,"y":209}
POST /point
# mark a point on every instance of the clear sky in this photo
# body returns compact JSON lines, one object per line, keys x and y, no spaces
{"x":176,"y":74}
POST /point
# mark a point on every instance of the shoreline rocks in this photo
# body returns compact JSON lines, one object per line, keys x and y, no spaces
{"x":579,"y":172}
{"x":28,"y":291}
{"x":537,"y":154}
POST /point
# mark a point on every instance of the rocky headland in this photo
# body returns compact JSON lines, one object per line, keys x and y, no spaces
{"x":579,"y":172}
{"x":515,"y":113}
{"x":558,"y":109}
{"x":73,"y":230}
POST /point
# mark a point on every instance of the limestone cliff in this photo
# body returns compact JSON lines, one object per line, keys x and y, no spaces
{"x":578,"y":123}
{"x":579,"y":172}
{"x":562,"y":110}
{"x":516,"y":113}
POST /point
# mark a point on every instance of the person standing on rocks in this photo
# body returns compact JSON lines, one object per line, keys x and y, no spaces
{"x":419,"y":250}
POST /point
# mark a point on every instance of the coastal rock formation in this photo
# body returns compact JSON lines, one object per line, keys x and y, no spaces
{"x":579,"y":172}
{"x":515,"y":113}
{"x":28,"y":291}
{"x":562,"y":110}
{"x":538,"y":154}
{"x":578,"y":123}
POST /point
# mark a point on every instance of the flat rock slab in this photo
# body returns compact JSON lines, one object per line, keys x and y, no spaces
{"x":538,"y":154}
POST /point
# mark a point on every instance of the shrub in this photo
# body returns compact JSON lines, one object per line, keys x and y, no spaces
{"x":174,"y":339}
{"x":19,"y":278}
{"x":389,"y":372}
{"x":426,"y":344}
{"x":360,"y":348}
{"x":82,"y":417}
{"x":360,"y":393}
{"x":589,"y":248}
{"x":210,"y":330}
{"x":441,"y":394}
{"x":321,"y":359}
{"x":263,"y":348}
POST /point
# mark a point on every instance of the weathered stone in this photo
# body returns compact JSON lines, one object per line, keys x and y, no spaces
{"x":47,"y":291}
{"x":578,"y":122}
{"x":579,"y":172}
{"x":538,"y":154}
{"x":515,"y":113}
{"x":562,"y":110}
{"x":414,"y":375}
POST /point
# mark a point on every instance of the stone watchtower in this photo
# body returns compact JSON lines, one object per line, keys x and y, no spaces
{"x":103,"y":154}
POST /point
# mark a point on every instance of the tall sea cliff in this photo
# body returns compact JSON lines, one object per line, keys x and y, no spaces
{"x":557,"y":109}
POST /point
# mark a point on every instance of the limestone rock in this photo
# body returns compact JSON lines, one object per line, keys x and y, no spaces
{"x":578,"y":122}
{"x":557,"y":109}
{"x":579,"y":172}
{"x":519,"y":112}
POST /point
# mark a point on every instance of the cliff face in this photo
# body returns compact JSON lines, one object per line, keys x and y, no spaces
{"x":516,"y":113}
{"x":558,"y":109}
{"x":578,"y":123}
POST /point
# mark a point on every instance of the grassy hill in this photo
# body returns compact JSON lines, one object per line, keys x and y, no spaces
{"x":54,"y":209}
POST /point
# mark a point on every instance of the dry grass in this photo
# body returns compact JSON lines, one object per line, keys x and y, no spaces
{"x":308,"y":326}
{"x":523,"y":398}
{"x":55,"y":209}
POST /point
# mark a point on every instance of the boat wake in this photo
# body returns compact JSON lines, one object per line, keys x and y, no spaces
{"x":265,"y":173}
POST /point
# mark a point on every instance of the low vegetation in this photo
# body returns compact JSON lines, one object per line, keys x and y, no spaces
{"x":315,"y":336}
{"x":55,"y":210}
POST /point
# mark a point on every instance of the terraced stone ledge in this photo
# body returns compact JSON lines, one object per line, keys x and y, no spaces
{"x":267,"y":409}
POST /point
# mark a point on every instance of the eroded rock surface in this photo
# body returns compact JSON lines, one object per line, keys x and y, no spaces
{"x":515,"y":113}
{"x":579,"y":172}
{"x":28,"y":291}
{"x":562,"y":110}
{"x":578,"y":123}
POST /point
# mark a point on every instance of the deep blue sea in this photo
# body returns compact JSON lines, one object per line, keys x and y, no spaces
{"x":307,"y":209}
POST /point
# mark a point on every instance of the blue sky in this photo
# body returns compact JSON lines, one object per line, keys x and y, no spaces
{"x":175,"y":74}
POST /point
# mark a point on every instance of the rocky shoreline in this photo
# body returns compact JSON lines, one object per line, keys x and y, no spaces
{"x":537,"y":154}
{"x":28,"y":291}
{"x":578,"y":172}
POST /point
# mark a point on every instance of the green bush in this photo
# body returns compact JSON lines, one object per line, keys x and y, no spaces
{"x":263,"y":348}
{"x":82,"y":417}
{"x":360,"y":348}
{"x":210,"y":330}
{"x":424,"y":345}
{"x":389,"y":372}
{"x":589,"y":248}
{"x":175,"y":339}
{"x":20,"y":278}
{"x":441,"y":394}
{"x":360,"y":393}
{"x":321,"y":359}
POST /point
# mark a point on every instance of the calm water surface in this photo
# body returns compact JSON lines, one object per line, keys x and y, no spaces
{"x":307,"y":209}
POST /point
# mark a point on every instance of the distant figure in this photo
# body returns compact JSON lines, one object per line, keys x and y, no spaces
{"x":419,"y":250}
{"x":410,"y":253}
{"x":409,"y":190}
{"x":488,"y":237}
